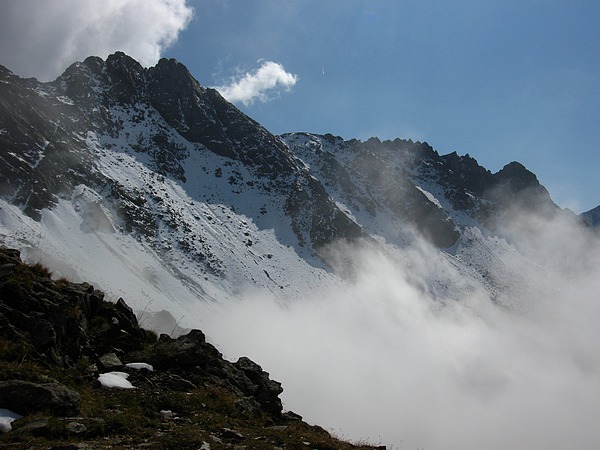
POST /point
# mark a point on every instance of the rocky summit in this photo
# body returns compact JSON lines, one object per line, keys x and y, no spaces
{"x":124,"y":159}
{"x":164,"y":116}
{"x":172,"y":116}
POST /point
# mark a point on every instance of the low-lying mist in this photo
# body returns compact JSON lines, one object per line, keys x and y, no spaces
{"x":387,"y":361}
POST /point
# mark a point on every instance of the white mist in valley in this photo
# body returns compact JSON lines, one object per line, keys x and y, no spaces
{"x":387,"y":362}
{"x":417,"y":350}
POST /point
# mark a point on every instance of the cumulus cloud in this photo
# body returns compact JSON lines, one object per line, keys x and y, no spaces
{"x":41,"y":38}
{"x":386,"y":360}
{"x":263,"y":84}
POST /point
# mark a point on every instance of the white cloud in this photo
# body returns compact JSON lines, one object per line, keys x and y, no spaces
{"x":41,"y":38}
{"x":262,"y":84}
{"x":385,"y":361}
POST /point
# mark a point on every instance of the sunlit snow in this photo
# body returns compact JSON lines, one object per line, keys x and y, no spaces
{"x":140,"y":366}
{"x":115,"y":380}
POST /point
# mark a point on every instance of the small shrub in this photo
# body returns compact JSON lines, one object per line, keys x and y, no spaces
{"x":12,"y":351}
{"x":39,"y":270}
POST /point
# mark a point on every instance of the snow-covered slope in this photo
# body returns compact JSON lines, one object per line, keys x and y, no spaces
{"x":111,"y":172}
{"x":342,"y":261}
{"x":212,"y":237}
{"x":173,"y":187}
{"x":402,"y":191}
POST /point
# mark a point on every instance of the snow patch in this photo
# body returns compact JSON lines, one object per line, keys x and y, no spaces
{"x":430,"y":197}
{"x":115,"y":380}
{"x":140,"y":366}
{"x":65,"y":100}
{"x":6,"y":418}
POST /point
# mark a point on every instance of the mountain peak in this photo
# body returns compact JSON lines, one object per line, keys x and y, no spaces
{"x":162,"y":116}
{"x":592,"y":217}
{"x":113,"y":138}
{"x":177,"y":75}
{"x":517,"y":177}
{"x":122,"y":58}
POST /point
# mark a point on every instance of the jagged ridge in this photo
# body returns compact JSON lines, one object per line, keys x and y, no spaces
{"x":151,"y":155}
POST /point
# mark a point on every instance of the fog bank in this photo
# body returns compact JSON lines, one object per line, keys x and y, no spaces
{"x":386,"y":362}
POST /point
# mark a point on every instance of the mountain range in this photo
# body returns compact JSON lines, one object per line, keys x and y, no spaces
{"x":158,"y":190}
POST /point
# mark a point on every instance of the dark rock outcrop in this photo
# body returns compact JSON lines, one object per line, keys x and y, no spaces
{"x":190,"y":356}
{"x":265,"y":390}
{"x":374,"y":176}
{"x":393,"y":176}
{"x":515,"y":186}
{"x":61,"y":323}
{"x":24,"y":398}
{"x":592,"y":217}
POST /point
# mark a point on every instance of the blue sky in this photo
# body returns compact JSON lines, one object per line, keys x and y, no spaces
{"x":500,"y":80}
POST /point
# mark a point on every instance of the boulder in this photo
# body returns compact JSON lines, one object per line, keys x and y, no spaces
{"x":110,"y":361}
{"x":267,"y":390}
{"x":25,"y":397}
{"x":39,"y":426}
{"x":187,"y":351}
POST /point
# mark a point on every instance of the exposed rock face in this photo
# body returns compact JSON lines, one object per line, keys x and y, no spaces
{"x":35,"y":169}
{"x":265,"y":390}
{"x":162,"y":113}
{"x":592,"y":217}
{"x":25,"y":397}
{"x":416,"y":185}
{"x":516,"y":187}
{"x":61,"y":323}
{"x":374,"y":177}
{"x":192,"y":357}
{"x":50,"y":318}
